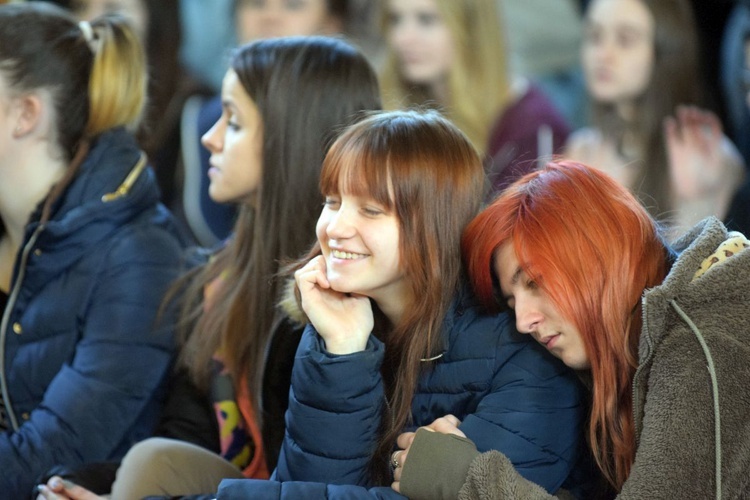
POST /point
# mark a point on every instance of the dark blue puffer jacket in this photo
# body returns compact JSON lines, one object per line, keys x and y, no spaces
{"x":509,"y":393}
{"x":81,"y":364}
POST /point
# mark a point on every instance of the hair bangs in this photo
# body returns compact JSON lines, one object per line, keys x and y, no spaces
{"x":358,"y":165}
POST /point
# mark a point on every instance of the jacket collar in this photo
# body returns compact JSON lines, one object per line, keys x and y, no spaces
{"x":112,"y":185}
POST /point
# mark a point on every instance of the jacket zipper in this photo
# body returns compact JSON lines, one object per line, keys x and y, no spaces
{"x":124,"y":188}
{"x":636,"y":382}
{"x":6,"y":319}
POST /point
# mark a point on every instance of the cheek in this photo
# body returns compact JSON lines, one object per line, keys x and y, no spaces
{"x":247,"y":27}
{"x":305,"y":24}
{"x":446,"y":54}
{"x":320,"y":230}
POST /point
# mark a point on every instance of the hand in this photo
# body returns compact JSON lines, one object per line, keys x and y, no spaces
{"x":60,"y":489}
{"x":446,"y":425}
{"x":345,"y":321}
{"x":694,"y":143}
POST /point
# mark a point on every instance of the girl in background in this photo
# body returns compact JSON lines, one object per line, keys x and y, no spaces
{"x":451,"y":54}
{"x":640,"y":60}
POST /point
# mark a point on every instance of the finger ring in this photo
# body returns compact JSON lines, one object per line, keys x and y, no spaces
{"x":394,"y":459}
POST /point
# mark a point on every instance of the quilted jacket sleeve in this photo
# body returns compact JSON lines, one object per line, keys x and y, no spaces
{"x":106,"y":397}
{"x":334,"y":414}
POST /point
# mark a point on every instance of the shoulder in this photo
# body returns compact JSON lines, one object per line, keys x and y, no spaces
{"x":476,"y":334}
{"x":531,"y":108}
{"x":152,"y":237}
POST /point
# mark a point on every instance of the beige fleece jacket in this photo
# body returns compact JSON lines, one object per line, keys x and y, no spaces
{"x":694,"y":365}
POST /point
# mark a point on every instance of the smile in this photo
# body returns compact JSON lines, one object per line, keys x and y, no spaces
{"x":347,"y":255}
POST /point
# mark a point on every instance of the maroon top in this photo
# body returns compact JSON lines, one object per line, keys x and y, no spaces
{"x":531,"y":127}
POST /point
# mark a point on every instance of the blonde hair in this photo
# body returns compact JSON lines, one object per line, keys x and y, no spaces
{"x":478,"y":83}
{"x":117,"y":86}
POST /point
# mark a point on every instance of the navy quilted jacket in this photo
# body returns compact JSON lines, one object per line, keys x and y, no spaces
{"x":509,"y":393}
{"x":81,"y":366}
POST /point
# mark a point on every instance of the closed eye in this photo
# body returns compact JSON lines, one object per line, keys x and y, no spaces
{"x":332,"y":203}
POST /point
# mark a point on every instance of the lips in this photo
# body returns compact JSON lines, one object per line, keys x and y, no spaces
{"x":549,"y":341}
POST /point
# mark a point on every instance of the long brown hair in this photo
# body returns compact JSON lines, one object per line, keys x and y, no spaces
{"x":593,"y":249}
{"x":675,"y":80}
{"x":306,"y":90}
{"x":420,"y":166}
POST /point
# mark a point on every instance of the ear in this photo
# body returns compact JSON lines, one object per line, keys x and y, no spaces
{"x":30,"y":113}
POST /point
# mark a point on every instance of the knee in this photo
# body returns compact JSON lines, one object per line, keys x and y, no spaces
{"x":148,"y":454}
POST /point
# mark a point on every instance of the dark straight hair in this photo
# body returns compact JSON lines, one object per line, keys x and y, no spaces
{"x":307,"y":90}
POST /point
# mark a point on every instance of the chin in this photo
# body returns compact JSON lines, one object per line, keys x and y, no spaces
{"x":417,"y":77}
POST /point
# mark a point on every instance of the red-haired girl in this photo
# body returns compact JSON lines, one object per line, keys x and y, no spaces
{"x":663,"y":335}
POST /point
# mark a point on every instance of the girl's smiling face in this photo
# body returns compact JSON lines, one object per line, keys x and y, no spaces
{"x":360,"y":240}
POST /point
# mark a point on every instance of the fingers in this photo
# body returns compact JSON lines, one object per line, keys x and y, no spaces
{"x":398,"y":457}
{"x":699,"y":124}
{"x":45,"y":493}
{"x":312,"y":274}
{"x":58,"y":488}
{"x":405,"y":440}
{"x":447,"y":425}
{"x":451,"y":419}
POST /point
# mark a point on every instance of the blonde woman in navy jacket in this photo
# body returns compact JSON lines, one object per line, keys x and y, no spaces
{"x":86,"y":250}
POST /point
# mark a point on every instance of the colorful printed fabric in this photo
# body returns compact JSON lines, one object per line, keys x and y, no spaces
{"x":235,"y":443}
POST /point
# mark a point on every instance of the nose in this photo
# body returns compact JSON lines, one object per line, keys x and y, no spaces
{"x":340,"y":225}
{"x":603,"y":49}
{"x":528,"y":315}
{"x":213,"y":140}
{"x":402,"y":35}
{"x":270,"y":18}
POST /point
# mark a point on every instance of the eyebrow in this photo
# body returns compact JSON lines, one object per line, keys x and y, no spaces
{"x":513,"y":281}
{"x":516,"y":276}
{"x":229,"y":104}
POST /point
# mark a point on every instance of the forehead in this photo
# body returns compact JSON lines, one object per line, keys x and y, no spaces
{"x":232,"y":89}
{"x":632,"y":14}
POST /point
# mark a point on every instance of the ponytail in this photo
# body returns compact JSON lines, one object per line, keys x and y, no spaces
{"x":117,"y":85}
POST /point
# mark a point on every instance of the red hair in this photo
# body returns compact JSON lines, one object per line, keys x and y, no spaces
{"x":593,"y":249}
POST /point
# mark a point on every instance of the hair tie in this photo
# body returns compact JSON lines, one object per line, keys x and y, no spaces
{"x":88,"y":34}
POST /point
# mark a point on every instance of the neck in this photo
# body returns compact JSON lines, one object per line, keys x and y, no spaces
{"x":28,"y":175}
{"x":439,"y":91}
{"x":393,"y":305}
{"x":625,"y":110}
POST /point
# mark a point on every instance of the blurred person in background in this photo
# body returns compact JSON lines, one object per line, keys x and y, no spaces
{"x":451,"y":55}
